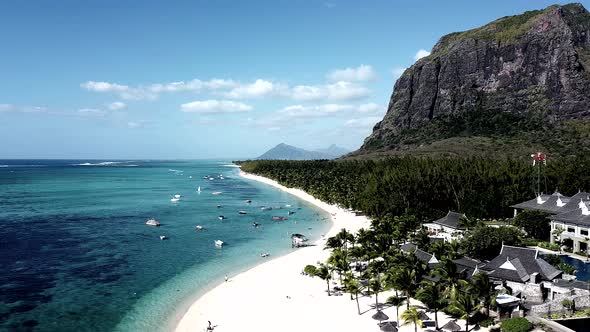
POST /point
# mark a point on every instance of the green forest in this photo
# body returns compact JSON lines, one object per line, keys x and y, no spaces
{"x":427,"y":187}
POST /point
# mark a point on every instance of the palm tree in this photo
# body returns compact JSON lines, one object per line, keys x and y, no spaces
{"x":411,"y":315}
{"x":557,"y":237}
{"x":352,"y":286}
{"x":376,"y":286}
{"x":464,"y":306}
{"x":324,"y":273}
{"x":396,"y":301}
{"x":484,"y":289}
{"x":406,"y":282}
{"x":338,"y":260}
{"x":432,"y":295}
{"x":450,"y":277}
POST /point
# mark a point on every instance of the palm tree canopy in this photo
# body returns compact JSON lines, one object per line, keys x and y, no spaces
{"x":411,"y":316}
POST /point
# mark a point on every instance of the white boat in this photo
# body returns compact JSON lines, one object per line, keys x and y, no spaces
{"x":216,"y":193}
{"x":264,"y":254}
{"x":199,"y":228}
{"x":242,"y":212}
{"x":174,"y":199}
{"x":152,"y":222}
{"x":219,"y":243}
{"x":221,"y":178}
{"x":221,"y":217}
{"x":163,"y":237}
{"x":199,"y":189}
{"x":266,"y":208}
{"x":177,"y":196}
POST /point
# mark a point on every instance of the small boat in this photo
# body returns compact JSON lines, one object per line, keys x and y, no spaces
{"x":266,"y":208}
{"x":152,"y":222}
{"x":174,"y":199}
{"x":242,"y":212}
{"x":278,"y":218}
{"x":205,"y":177}
{"x":287,"y":205}
{"x":221,"y":178}
{"x":221,"y":217}
{"x":199,"y":189}
{"x":199,"y":228}
{"x":291,"y":212}
{"x":255,"y":224}
{"x":264,"y":254}
{"x":219,"y":206}
{"x":219,"y":243}
{"x":163,"y":237}
{"x":211,"y":178}
{"x":248,"y":201}
{"x":216,"y":193}
{"x":177,"y":196}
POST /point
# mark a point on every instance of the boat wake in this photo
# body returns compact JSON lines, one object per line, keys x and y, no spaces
{"x":106,"y":163}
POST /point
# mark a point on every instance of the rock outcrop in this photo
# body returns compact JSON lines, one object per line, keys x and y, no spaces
{"x":531,"y":66}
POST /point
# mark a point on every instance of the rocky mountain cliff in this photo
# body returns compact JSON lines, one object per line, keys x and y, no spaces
{"x":521,"y":82}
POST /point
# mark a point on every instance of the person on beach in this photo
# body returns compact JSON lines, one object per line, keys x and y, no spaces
{"x":226,"y":278}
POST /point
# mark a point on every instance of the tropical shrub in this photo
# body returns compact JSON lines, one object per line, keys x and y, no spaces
{"x":517,"y":324}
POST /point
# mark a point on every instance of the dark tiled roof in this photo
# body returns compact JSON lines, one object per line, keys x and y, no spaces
{"x":525,"y":261}
{"x":574,"y":216}
{"x":466,"y":266}
{"x":450,"y":220}
{"x":575,"y":200}
{"x":408,"y":247}
{"x":549,"y":204}
{"x":422,"y":255}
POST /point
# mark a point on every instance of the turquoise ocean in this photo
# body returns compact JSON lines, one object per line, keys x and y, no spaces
{"x":76,"y":254}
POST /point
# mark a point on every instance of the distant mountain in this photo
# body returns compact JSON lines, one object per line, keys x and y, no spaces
{"x":288,"y":152}
{"x":517,"y":85}
{"x":334,"y":150}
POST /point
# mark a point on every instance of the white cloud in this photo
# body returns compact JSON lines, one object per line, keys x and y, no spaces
{"x":260,"y":88}
{"x":133,"y":124}
{"x":337,"y":91}
{"x":369,"y":108}
{"x":116,"y":106}
{"x":300,"y":111}
{"x":215,"y":106}
{"x":195,"y":85}
{"x":91,"y":112}
{"x":123,"y":91}
{"x":398,"y":72}
{"x":22,"y":109}
{"x":421,"y":54}
{"x":362,"y":123}
{"x":362,"y":73}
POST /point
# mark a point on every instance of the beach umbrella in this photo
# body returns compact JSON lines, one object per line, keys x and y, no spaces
{"x":388,"y":327}
{"x":423,"y":315}
{"x":380,"y":316}
{"x":451,"y":326}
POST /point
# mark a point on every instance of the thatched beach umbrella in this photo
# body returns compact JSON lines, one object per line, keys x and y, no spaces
{"x":451,"y":326}
{"x":388,"y":327}
{"x":423,"y":316}
{"x":380,"y":316}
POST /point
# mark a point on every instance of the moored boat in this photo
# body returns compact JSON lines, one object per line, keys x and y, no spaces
{"x":163,"y":237}
{"x":278,"y":218}
{"x":199,"y":227}
{"x":152,"y":222}
{"x":221,"y":217}
{"x":266,"y":208}
{"x":264,"y":254}
{"x":216,"y":193}
{"x":219,"y":243}
{"x":242,"y":212}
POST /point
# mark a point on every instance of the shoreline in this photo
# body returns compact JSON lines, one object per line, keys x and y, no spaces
{"x":264,"y":295}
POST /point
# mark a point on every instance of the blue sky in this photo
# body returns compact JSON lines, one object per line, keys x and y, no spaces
{"x":210,"y":79}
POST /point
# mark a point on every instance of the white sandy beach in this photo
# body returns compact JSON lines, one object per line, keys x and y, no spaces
{"x":274,"y":296}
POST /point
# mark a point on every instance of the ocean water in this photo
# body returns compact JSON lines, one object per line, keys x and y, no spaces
{"x":76,"y":254}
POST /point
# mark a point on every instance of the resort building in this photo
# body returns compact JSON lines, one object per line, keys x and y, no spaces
{"x":427,"y":258}
{"x":523,"y":271}
{"x":467,"y":266}
{"x":448,"y":227}
{"x":570,"y":214}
